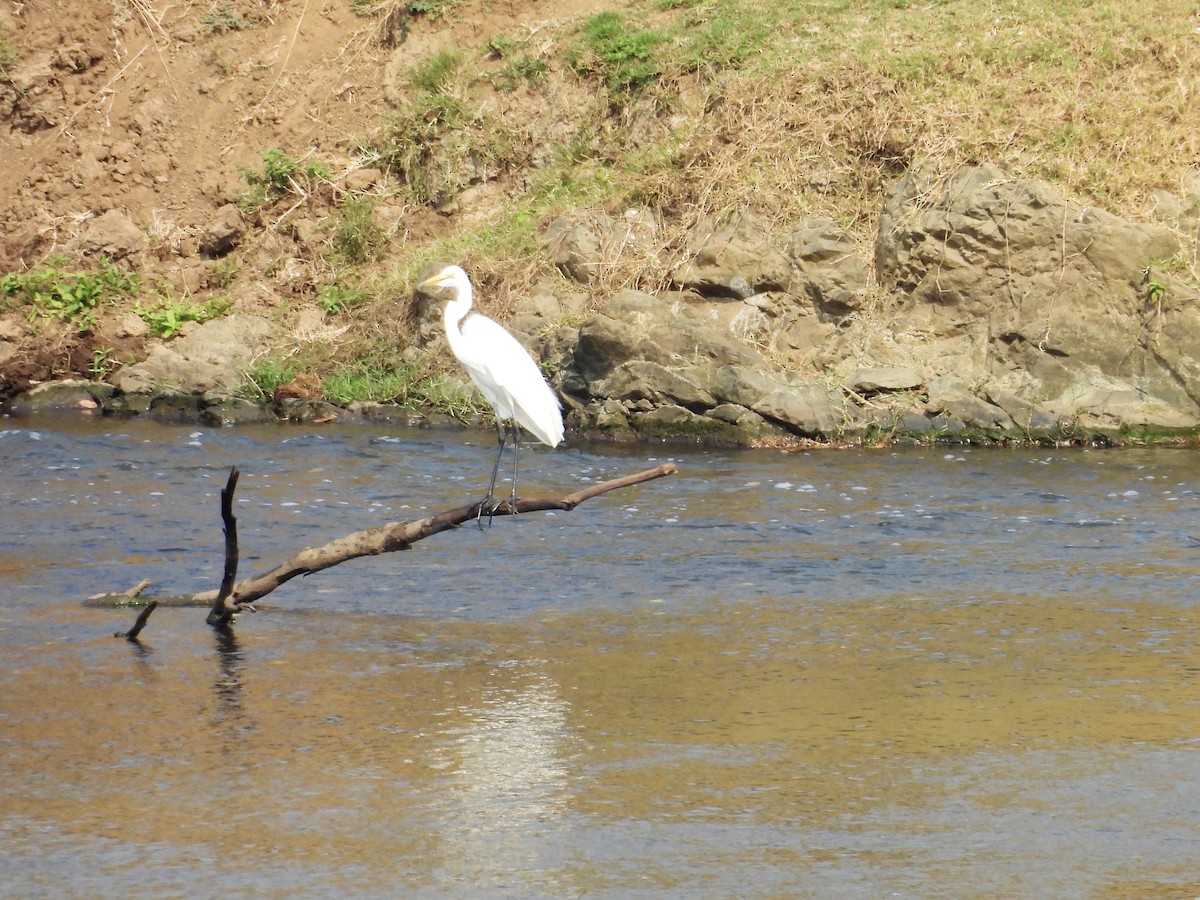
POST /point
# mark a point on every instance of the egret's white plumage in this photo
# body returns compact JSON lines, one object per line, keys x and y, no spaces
{"x":500,"y":367}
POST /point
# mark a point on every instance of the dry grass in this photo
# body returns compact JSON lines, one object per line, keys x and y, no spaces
{"x":1077,"y":94}
{"x":1098,"y":98}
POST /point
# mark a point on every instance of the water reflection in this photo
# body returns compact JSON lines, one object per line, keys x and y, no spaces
{"x":509,"y":778}
{"x":228,"y":685}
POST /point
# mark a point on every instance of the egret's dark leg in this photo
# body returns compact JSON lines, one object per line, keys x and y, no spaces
{"x":489,"y":502}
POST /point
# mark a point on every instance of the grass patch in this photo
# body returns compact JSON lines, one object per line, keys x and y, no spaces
{"x":520,"y":65}
{"x":357,"y":238}
{"x":269,"y":374}
{"x":339,"y":298}
{"x":403,"y":383}
{"x":441,"y":140}
{"x":624,"y":56}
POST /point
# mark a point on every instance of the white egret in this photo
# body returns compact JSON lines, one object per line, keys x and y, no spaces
{"x":502,"y":370}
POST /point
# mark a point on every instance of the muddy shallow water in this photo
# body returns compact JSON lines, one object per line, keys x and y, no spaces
{"x":842,"y":673}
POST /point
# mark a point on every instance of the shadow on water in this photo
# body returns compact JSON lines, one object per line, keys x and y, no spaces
{"x":836,"y":674}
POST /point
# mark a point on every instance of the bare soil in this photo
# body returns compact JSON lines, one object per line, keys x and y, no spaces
{"x":155,"y":110}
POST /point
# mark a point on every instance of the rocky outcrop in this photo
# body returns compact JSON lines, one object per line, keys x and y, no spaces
{"x":999,"y":310}
{"x":646,"y":353}
{"x":988,"y":308}
{"x":1056,"y":301}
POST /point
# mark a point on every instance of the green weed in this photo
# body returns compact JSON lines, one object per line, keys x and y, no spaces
{"x":165,"y":321}
{"x":9,"y":55}
{"x":625,"y":56}
{"x":280,"y":176}
{"x":431,"y":9}
{"x":338,"y":298}
{"x":434,"y":74}
{"x":523,"y":68}
{"x":101,"y":363}
{"x":519,"y":64}
{"x":73,"y":296}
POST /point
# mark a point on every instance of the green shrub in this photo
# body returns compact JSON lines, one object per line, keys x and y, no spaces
{"x":434,"y":74}
{"x":336,"y":298}
{"x":281,"y":175}
{"x":9,"y":55}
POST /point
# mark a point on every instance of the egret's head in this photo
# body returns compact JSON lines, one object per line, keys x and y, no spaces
{"x":447,"y":277}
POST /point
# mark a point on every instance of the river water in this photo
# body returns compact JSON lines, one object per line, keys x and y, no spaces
{"x":923,"y":673}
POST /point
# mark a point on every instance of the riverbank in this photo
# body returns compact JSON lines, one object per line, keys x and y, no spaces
{"x":82,"y":400}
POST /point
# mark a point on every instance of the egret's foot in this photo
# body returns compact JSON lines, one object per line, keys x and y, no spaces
{"x":489,"y":506}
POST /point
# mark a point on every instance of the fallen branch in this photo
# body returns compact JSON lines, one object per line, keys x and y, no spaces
{"x":233,"y":598}
{"x":131,"y":597}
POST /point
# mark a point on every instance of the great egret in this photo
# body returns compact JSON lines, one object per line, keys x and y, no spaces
{"x":502,"y":370}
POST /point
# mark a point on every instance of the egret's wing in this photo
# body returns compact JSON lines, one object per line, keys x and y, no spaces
{"x":507,"y":375}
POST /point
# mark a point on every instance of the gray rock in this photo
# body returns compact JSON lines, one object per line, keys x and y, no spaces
{"x":741,"y":384}
{"x":887,"y":378}
{"x":574,"y":248}
{"x":1024,"y":414}
{"x":211,"y":361}
{"x":582,"y":248}
{"x":975,"y":412}
{"x":63,"y":396}
{"x":734,"y":257}
{"x":1051,"y":287}
{"x":806,"y":409}
{"x":1108,"y":402}
{"x":640,"y":379}
{"x":675,"y":335}
{"x":945,"y":390}
{"x":830,"y":269}
{"x":112,"y":235}
{"x":611,"y":414}
{"x":223,"y":233}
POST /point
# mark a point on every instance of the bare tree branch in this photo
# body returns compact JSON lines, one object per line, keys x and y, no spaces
{"x":374,"y":541}
{"x":142,"y":619}
{"x":222,"y":611}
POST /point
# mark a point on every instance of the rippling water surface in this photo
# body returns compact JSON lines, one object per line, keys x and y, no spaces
{"x":917,"y":673}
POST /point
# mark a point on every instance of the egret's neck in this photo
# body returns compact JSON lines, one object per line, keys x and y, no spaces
{"x":457,"y":309}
